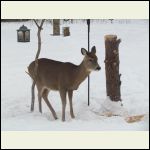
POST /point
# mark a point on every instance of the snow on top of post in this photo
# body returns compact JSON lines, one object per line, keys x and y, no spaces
{"x":110,"y":37}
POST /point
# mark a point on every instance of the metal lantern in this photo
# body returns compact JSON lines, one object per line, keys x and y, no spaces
{"x":23,"y":34}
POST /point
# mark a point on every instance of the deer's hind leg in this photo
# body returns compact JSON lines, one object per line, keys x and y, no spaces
{"x":33,"y":96}
{"x":40,"y":91}
{"x":45,"y":97}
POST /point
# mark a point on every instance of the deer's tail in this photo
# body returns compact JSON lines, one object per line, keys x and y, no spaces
{"x":27,"y":71}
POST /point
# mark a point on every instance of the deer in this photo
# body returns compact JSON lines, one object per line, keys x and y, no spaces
{"x":64,"y":77}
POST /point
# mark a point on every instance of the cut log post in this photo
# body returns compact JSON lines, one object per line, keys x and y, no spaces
{"x":113,"y":82}
{"x":56,"y":27}
{"x":66,"y":31}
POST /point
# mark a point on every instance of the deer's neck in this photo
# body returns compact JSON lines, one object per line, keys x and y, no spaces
{"x":81,"y":73}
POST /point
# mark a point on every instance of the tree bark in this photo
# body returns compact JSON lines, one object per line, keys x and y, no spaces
{"x":113,"y":82}
{"x":56,"y":27}
{"x":36,"y":61}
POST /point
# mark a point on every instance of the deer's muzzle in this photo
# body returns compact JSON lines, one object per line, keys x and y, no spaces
{"x":98,"y":68}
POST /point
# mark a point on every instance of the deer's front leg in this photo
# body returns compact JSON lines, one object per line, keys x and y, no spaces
{"x":70,"y":94}
{"x":63,"y":99}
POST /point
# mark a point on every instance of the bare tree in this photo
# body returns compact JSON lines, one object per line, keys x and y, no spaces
{"x":36,"y":60}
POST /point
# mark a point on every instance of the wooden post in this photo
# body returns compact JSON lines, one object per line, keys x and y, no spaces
{"x":66,"y":31}
{"x":113,"y":82}
{"x":56,"y":27}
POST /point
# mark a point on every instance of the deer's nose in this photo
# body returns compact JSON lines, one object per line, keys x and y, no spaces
{"x":98,"y":68}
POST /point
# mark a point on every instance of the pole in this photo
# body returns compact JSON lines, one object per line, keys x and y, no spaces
{"x":88,"y":23}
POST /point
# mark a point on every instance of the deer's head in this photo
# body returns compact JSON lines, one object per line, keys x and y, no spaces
{"x":90,"y":59}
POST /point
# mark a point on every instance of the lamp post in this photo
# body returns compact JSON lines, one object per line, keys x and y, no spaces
{"x":88,"y":23}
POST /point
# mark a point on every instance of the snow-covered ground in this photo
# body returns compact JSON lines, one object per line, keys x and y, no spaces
{"x":16,"y":84}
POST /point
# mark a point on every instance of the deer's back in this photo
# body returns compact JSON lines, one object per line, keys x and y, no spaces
{"x":53,"y":74}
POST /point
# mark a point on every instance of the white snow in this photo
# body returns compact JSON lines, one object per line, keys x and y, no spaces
{"x":134,"y":67}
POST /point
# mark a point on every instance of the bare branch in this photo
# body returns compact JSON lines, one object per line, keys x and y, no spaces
{"x":36,"y":23}
{"x":42,"y":23}
{"x":39,"y":26}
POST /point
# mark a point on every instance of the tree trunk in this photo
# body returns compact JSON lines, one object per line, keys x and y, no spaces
{"x":113,"y":82}
{"x":36,"y":61}
{"x":56,"y":27}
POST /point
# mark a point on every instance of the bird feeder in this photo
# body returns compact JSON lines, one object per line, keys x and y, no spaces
{"x":23,"y":34}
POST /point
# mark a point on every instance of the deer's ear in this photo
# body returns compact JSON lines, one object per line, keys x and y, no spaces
{"x":83,"y":51}
{"x":93,"y":50}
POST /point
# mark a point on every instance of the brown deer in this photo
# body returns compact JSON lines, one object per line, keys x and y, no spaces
{"x":64,"y":77}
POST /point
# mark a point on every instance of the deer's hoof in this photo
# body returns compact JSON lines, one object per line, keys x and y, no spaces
{"x":56,"y":118}
{"x":63,"y":120}
{"x":72,"y":116}
{"x":32,"y":109}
